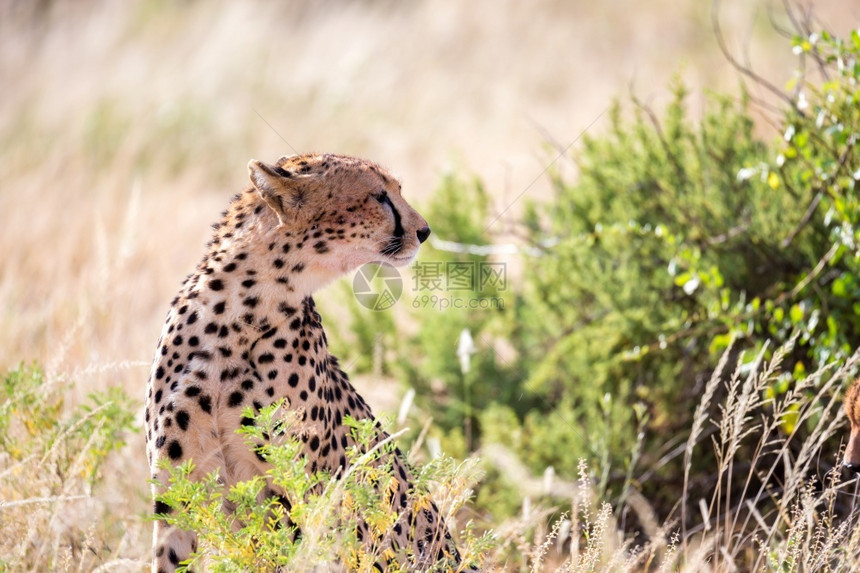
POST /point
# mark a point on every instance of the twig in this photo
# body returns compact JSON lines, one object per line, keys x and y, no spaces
{"x":744,"y":70}
{"x":813,"y":205}
{"x":48,"y":499}
{"x":815,"y":271}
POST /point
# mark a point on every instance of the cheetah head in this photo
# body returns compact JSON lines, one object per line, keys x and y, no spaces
{"x":348,"y":211}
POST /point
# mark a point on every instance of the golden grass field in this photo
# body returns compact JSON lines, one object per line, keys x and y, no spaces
{"x":126,"y":126}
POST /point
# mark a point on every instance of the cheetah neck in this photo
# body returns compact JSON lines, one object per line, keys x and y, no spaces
{"x":257,"y":279}
{"x":254,"y":257}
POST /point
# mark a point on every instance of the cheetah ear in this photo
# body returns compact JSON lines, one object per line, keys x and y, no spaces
{"x":271,"y":182}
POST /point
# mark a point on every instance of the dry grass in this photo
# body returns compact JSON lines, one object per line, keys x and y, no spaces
{"x":808,"y":522}
{"x":125,"y":126}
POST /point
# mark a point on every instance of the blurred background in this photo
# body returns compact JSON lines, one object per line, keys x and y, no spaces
{"x":125,"y":127}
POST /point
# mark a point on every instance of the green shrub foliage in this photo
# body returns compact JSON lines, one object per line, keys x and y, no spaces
{"x":678,"y":235}
{"x":314,"y":523}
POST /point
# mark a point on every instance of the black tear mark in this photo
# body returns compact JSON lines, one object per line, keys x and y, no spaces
{"x":393,"y":246}
{"x":398,"y":226}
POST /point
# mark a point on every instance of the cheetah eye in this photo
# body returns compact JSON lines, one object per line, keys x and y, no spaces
{"x":382,"y":197}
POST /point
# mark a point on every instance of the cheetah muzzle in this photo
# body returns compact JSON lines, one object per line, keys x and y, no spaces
{"x":243,"y":331}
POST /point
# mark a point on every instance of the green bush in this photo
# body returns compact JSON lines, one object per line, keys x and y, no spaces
{"x":677,"y":236}
{"x":322,"y":510}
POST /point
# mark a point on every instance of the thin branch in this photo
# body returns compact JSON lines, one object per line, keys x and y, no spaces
{"x":778,"y":28}
{"x":744,"y":70}
{"x":813,"y":205}
{"x":815,"y":272}
{"x":799,"y":27}
{"x":843,"y":159}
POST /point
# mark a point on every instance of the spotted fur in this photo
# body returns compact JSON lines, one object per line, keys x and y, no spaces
{"x":243,"y":332}
{"x":852,"y":410}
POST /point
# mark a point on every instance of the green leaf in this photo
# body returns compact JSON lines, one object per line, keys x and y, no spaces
{"x":839,"y":287}
{"x":796,"y":314}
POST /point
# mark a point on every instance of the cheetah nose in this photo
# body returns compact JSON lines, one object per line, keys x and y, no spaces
{"x":423,"y":234}
{"x":852,"y":467}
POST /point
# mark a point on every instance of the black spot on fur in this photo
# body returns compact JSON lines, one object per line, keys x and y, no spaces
{"x":182,"y":419}
{"x":266,"y":358}
{"x":174,"y":450}
{"x":229,"y":374}
{"x":235,"y":399}
{"x":269,"y":333}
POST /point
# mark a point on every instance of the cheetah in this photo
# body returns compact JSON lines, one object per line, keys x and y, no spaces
{"x":243,"y":332}
{"x":851,"y":459}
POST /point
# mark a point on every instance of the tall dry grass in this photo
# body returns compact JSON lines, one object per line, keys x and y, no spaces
{"x":809,"y":522}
